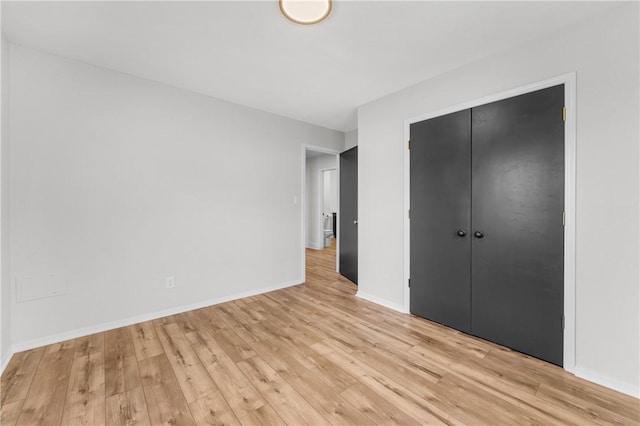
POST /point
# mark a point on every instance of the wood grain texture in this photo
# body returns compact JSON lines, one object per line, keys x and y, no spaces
{"x":128,"y":408}
{"x":145,"y":340}
{"x":10,"y":411}
{"x":85,"y":402}
{"x":165,"y":401}
{"x":90,"y":345}
{"x":289,"y":404}
{"x":121,"y":366}
{"x":17,"y":378}
{"x":263,"y":416}
{"x":213,"y":410}
{"x":192,"y":377}
{"x":46,"y":397}
{"x":235,"y":387}
{"x":308,"y":354}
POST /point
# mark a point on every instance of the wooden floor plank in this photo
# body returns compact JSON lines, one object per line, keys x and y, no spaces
{"x":145,"y":340}
{"x":375,"y":407}
{"x":183,"y":322}
{"x":121,"y":365}
{"x":494,"y":386}
{"x":422,"y":410}
{"x":213,"y":410}
{"x":288,"y":403}
{"x":19,"y":374}
{"x":200,"y":320}
{"x":598,"y":413}
{"x":324,"y":398}
{"x":263,"y":416}
{"x":236,"y":348}
{"x":165,"y":401}
{"x":85,"y":402}
{"x":90,"y":345}
{"x":128,"y":408}
{"x":332,"y":376}
{"x":45,"y":400}
{"x":250,"y":308}
{"x":223,"y":313}
{"x":484,"y":410}
{"x":9,"y":412}
{"x":193,"y":378}
{"x":233,"y":384}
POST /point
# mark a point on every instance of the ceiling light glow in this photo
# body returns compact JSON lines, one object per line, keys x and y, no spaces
{"x":305,"y":12}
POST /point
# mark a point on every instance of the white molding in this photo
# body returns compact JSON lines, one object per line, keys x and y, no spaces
{"x":5,"y":362}
{"x":570,"y":148}
{"x":314,"y":246}
{"x":378,"y":301}
{"x":569,"y":81}
{"x":608,"y":382}
{"x":85,"y":331}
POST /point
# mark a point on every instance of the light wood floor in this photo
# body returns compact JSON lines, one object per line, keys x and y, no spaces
{"x":309,"y":354}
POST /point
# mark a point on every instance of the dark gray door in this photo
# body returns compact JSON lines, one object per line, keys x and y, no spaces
{"x":487,"y":235}
{"x":440,"y":219}
{"x":348,"y":215}
{"x":517,"y":209}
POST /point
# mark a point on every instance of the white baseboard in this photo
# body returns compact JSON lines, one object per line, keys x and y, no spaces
{"x":80,"y":332}
{"x":5,"y":361}
{"x":583,"y":373}
{"x":378,"y":301}
{"x":315,"y":246}
{"x":608,"y":382}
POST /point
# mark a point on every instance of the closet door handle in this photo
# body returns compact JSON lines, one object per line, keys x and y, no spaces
{"x":478,"y":234}
{"x":462,"y":233}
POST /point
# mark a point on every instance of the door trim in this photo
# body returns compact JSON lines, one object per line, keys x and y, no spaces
{"x":569,"y":81}
{"x":303,"y":210}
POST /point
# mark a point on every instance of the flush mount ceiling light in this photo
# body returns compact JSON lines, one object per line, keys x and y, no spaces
{"x":305,"y":12}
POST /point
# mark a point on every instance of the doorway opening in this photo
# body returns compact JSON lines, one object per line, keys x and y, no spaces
{"x":320,"y":189}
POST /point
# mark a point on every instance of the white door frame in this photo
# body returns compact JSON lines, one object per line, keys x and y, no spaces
{"x":303,"y":210}
{"x":569,"y":81}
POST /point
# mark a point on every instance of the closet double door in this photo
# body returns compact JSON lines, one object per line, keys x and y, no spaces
{"x":487,"y":228}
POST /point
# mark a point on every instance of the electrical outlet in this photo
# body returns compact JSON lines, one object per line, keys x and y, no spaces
{"x":171,"y":282}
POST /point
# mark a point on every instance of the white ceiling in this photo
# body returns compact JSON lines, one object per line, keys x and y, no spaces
{"x":246,"y":52}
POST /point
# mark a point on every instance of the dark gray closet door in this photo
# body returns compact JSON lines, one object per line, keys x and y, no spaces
{"x":348,"y":216}
{"x":440,"y":219}
{"x":517,"y":223}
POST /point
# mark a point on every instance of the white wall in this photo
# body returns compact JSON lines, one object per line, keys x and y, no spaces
{"x":330,"y":192}
{"x":5,"y":281}
{"x":315,"y":165}
{"x":604,"y":54}
{"x":118,"y":182}
{"x":350,"y":139}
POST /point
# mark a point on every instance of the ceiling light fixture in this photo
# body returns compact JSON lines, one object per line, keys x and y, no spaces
{"x":305,"y":12}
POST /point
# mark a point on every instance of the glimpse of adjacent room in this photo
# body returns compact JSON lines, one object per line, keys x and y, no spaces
{"x":321,"y":199}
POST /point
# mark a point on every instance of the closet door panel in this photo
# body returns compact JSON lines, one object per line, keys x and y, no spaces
{"x":517,"y":221}
{"x":440,"y":211}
